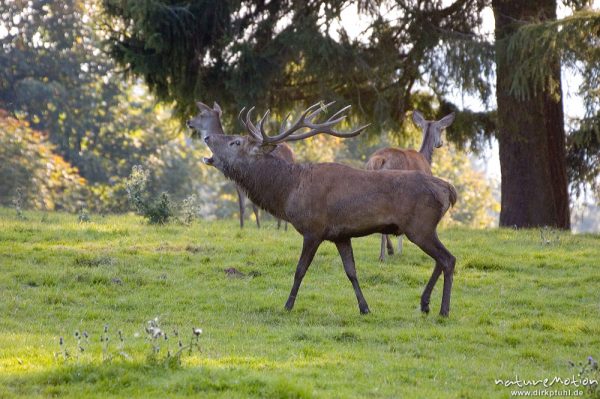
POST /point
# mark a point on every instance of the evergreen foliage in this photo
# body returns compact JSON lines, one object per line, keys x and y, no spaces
{"x":285,"y":53}
{"x":242,"y":53}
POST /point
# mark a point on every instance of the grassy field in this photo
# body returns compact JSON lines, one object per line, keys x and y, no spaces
{"x":519,"y":308}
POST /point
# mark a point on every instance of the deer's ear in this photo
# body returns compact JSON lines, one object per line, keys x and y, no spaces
{"x":258,"y":147}
{"x":268,"y":148}
{"x":201,"y":106}
{"x":446,"y":121}
{"x":418,"y":119}
{"x":217,"y":108}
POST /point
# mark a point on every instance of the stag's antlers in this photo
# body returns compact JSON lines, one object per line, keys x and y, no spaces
{"x":305,"y":121}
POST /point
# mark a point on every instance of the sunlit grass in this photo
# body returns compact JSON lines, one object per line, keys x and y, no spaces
{"x":518,"y":307}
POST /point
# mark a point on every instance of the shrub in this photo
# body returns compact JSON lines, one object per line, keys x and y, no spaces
{"x":190,"y":209}
{"x":156,"y":211}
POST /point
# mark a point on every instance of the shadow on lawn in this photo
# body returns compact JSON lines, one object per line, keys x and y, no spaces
{"x":143,"y":380}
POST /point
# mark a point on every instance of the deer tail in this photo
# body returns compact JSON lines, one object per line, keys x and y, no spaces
{"x":444,"y":193}
{"x":453,"y":195}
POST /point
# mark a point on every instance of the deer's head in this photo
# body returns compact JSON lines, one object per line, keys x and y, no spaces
{"x":230,"y":150}
{"x":207,"y":121}
{"x":432,"y":130}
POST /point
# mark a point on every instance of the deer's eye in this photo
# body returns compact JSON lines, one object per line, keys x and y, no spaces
{"x":236,"y":142}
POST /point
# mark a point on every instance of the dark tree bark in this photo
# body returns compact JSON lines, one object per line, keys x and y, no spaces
{"x":531,"y":132}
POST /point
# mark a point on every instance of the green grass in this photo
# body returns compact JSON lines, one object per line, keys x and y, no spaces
{"x":518,"y":307}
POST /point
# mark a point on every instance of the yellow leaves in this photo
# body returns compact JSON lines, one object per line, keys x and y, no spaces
{"x":476,"y":204}
{"x":49,"y":181}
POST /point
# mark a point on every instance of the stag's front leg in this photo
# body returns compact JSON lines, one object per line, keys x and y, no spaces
{"x":242,"y":205}
{"x":345,"y":249}
{"x":309,"y":249}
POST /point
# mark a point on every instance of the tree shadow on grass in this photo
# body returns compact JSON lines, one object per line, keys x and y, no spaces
{"x":127,"y":379}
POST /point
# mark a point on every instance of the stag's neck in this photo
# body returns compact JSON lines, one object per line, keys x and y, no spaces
{"x":427,"y":146}
{"x":267,"y":181}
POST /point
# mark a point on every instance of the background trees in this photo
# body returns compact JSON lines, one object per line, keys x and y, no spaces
{"x":32,"y":174}
{"x":63,"y":98}
{"x":63,"y":63}
{"x":285,"y":52}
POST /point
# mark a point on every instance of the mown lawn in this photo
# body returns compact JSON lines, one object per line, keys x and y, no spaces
{"x":518,"y":308}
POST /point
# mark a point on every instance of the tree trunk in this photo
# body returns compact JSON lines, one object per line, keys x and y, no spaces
{"x":531,"y":132}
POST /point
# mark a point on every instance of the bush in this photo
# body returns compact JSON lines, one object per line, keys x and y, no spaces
{"x":156,"y":211}
{"x":190,"y":209}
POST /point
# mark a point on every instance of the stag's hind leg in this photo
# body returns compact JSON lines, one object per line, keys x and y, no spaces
{"x":345,"y":249}
{"x":426,"y":296}
{"x":444,"y":263}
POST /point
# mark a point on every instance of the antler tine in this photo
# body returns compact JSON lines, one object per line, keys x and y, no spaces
{"x":240,"y":117}
{"x":341,"y":111}
{"x":261,"y":125}
{"x":319,"y":110}
{"x":250,"y":126}
{"x":283,"y":122}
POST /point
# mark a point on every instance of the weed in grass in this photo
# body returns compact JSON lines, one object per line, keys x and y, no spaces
{"x":549,"y":236}
{"x":157,"y":337}
{"x":84,"y":216}
{"x":19,"y":202}
{"x":588,"y":373}
{"x":161,"y":351}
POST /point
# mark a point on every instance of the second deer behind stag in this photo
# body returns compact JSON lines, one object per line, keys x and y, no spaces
{"x":409,"y":159}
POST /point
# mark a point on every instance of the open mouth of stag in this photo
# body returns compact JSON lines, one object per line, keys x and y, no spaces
{"x":208,"y":160}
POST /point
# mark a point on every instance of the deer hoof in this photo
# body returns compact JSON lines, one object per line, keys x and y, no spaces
{"x":425,"y":308}
{"x":365,"y":310}
{"x":289,"y":305}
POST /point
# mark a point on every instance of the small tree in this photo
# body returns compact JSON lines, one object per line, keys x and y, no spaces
{"x":156,"y":211}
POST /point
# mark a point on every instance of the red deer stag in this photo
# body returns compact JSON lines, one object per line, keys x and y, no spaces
{"x":334,"y":202}
{"x":408,"y":159}
{"x":209,"y":120}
